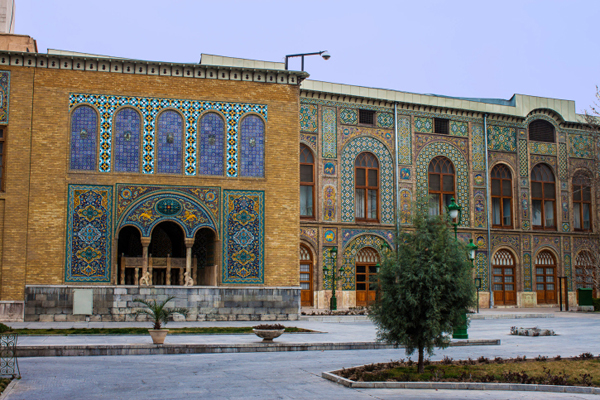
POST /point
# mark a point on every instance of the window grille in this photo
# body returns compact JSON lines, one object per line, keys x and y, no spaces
{"x":366,"y":117}
{"x":541,"y":131}
{"x":441,"y":126}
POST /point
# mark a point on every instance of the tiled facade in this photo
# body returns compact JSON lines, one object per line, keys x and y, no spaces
{"x":412,"y":146}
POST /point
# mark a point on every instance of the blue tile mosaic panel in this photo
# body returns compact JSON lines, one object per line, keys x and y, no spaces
{"x":527,"y":271}
{"x":479,"y":205}
{"x":252,"y":138}
{"x":243,"y":231}
{"x":170,"y":140}
{"x":385,"y":120}
{"x":523,"y":158}
{"x":502,"y":138}
{"x":562,"y":161}
{"x":127,"y":140}
{"x":405,"y":207}
{"x":580,"y":146}
{"x":478,"y":148}
{"x":150,"y":108}
{"x":386,"y":168}
{"x":4,"y":96}
{"x":568,"y":273}
{"x":89,"y":239}
{"x":84,"y":129}
{"x":308,"y":117}
{"x":542,"y":148}
{"x":349,"y":116}
{"x":404,"y":141}
{"x":329,"y":132}
{"x":481,"y":269}
{"x":309,"y":140}
{"x":211,"y":144}
{"x":458,"y":128}
{"x":423,"y":125}
{"x":349,"y":234}
{"x":445,"y":149}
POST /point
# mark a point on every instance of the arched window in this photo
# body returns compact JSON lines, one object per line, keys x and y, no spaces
{"x":366,"y":276}
{"x":543,"y":196}
{"x":170,"y":143}
{"x":545,"y":278}
{"x":127,"y":140}
{"x":582,"y":202}
{"x":441,"y":184}
{"x":252,"y":139}
{"x":541,"y":131}
{"x":501,"y":197}
{"x":366,"y":200}
{"x":84,"y":133}
{"x":307,"y":182}
{"x":585,"y":271}
{"x":211,"y":142}
{"x":503,"y":268}
{"x":306,"y":268}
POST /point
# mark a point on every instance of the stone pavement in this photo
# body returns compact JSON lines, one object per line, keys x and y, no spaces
{"x":286,"y":375}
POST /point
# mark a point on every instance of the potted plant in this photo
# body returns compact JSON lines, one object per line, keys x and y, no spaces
{"x":159,"y":315}
{"x":268,"y":332}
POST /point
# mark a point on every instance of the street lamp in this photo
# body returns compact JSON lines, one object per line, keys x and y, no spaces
{"x":332,"y":277}
{"x":471,"y":249}
{"x":455,"y":212}
{"x":325,"y":54}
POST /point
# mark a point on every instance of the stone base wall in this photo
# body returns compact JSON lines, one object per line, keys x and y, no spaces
{"x":115,"y":303}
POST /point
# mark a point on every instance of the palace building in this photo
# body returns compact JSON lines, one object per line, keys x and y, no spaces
{"x":231,"y":184}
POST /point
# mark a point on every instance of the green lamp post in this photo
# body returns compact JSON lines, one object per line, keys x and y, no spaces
{"x":471,"y":250}
{"x":332,"y":277}
{"x":455,"y":213}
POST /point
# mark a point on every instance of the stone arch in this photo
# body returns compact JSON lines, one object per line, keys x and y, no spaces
{"x":434,"y":149}
{"x":349,"y":256}
{"x":149,"y":211}
{"x":352,"y":149}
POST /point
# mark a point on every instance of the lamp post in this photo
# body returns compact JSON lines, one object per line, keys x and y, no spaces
{"x":332,"y":277}
{"x":471,"y":249}
{"x":325,"y":54}
{"x":455,"y":212}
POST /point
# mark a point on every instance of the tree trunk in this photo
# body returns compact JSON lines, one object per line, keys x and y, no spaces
{"x":421,"y":363}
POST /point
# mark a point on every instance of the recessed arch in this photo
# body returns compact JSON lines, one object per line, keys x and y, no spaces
{"x":543,"y":197}
{"x":504,"y":277}
{"x":170,"y":138}
{"x":307,"y":269}
{"x":84,"y":127}
{"x":546,"y":272}
{"x":252,"y":146}
{"x":127,"y":129}
{"x":211,"y":143}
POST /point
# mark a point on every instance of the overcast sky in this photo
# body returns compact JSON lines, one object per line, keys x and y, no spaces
{"x":455,"y":48}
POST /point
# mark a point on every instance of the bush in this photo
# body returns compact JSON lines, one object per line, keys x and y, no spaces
{"x":4,"y":328}
{"x":596,"y":303}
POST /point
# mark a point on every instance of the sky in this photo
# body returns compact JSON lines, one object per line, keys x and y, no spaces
{"x":479,"y":48}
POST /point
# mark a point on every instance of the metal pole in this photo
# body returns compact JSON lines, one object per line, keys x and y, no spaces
{"x":395,"y":158}
{"x":566,"y":293}
{"x":560,"y":292}
{"x":487,"y":207}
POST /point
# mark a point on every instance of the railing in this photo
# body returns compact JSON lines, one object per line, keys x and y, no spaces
{"x":8,"y":355}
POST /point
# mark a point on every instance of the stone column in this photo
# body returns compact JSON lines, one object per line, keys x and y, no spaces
{"x":188,"y":281}
{"x":145,"y":279}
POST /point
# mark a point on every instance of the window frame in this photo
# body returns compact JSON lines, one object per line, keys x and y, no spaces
{"x":367,"y":187}
{"x":373,"y":113}
{"x":543,"y":199}
{"x":441,"y":122}
{"x":312,"y":184}
{"x":579,"y":179}
{"x":502,"y":197}
{"x":441,"y":192}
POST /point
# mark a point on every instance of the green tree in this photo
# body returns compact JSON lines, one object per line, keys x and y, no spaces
{"x":424,"y":287}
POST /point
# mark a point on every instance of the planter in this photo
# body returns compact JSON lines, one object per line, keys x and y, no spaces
{"x":158,"y":335}
{"x":268,"y":335}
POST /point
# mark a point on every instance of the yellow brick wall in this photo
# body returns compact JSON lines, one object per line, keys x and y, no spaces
{"x":33,"y":239}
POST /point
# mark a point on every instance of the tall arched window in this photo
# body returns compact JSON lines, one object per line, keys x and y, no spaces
{"x":582,"y":202}
{"x":252,"y":138}
{"x":211,"y":142}
{"x":127,"y":140}
{"x":441,"y":184}
{"x":170,"y":143}
{"x":307,"y":182}
{"x":541,"y":131}
{"x":501,"y":197}
{"x":84,"y":133}
{"x":543,"y":197}
{"x":366,"y":200}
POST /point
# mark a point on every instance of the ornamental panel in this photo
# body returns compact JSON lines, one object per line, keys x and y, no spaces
{"x":404,"y":141}
{"x":501,"y":138}
{"x":581,"y":146}
{"x":329,"y":133}
{"x":308,"y":117}
{"x":478,"y":148}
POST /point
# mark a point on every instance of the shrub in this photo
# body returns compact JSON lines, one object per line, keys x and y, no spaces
{"x":4,"y":328}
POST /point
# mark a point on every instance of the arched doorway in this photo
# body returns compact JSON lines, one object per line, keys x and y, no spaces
{"x":545,"y":277}
{"x":306,"y":278}
{"x":204,"y":268}
{"x":504,"y":278}
{"x":366,"y":276}
{"x":129,"y":247}
{"x":167,"y":254}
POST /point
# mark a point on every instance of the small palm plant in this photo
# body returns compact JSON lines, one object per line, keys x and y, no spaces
{"x":159,"y":315}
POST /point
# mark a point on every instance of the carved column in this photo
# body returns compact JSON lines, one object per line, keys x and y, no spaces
{"x":188,"y":281}
{"x":145,"y":279}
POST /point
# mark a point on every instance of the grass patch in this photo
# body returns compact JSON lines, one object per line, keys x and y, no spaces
{"x":144,"y":331}
{"x":580,"y":371}
{"x":4,"y":383}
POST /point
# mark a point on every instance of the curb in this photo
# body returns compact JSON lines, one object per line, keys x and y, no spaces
{"x":510,"y":316}
{"x":459,"y":386}
{"x":357,"y":318}
{"x":9,"y":389}
{"x":151,"y":349}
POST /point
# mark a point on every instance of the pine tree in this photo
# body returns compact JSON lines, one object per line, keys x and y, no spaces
{"x":425,"y":287}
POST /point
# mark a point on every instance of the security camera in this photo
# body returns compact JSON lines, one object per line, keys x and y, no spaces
{"x":326,"y":55}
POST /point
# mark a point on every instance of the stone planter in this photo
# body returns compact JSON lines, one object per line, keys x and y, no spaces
{"x":158,"y":335}
{"x":268,"y":335}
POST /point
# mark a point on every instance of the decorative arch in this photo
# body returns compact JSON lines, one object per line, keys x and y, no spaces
{"x":540,"y":113}
{"x":211,"y":143}
{"x":149,"y":211}
{"x":169,"y":141}
{"x":349,"y":256}
{"x":432,"y":150}
{"x":349,"y":152}
{"x":84,"y":138}
{"x":252,"y":146}
{"x":127,"y":138}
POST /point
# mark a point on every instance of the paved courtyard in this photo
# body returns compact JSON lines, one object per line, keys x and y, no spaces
{"x":284,"y":375}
